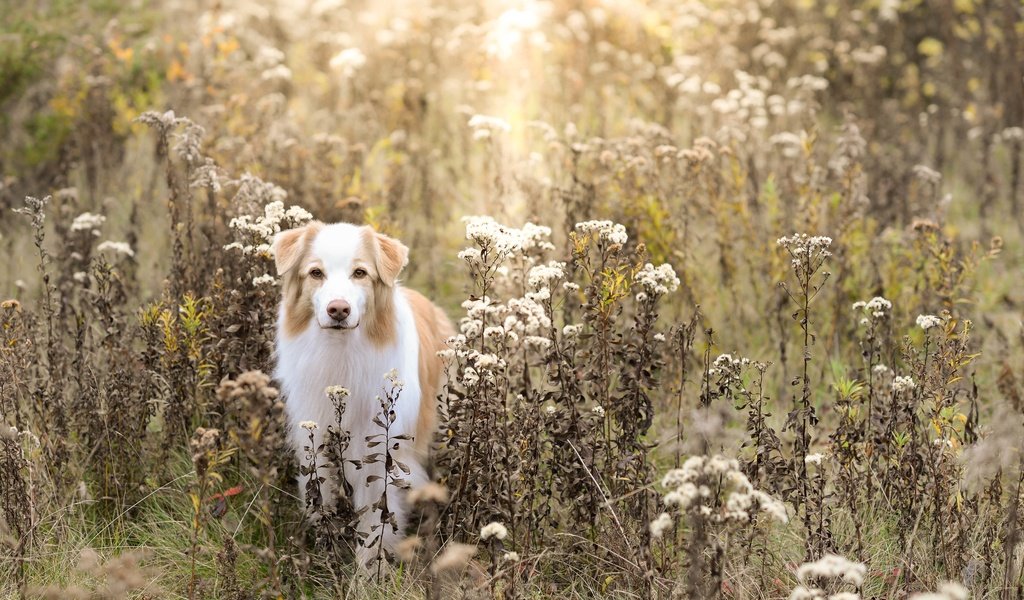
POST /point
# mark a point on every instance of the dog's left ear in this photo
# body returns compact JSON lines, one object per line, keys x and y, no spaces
{"x":392,"y":256}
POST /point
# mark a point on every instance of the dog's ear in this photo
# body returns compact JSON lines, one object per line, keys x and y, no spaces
{"x":392,"y":256}
{"x":288,"y":246}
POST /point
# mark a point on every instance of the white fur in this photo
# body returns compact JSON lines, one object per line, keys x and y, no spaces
{"x":318,"y":358}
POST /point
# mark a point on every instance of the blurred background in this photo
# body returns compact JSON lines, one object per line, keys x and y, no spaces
{"x":708,"y":128}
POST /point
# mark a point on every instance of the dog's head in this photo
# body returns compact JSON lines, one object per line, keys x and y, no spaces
{"x":338,"y":278}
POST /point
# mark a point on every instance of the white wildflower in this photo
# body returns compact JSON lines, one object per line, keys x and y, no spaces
{"x":953,"y":590}
{"x":337,"y":391}
{"x":658,"y":280}
{"x":348,"y":61}
{"x":88,"y":222}
{"x":470,"y":377}
{"x":488,"y":233}
{"x":485,"y":126}
{"x":606,"y":231}
{"x":543,"y":275}
{"x":742,"y":501}
{"x":265,"y":279}
{"x":308,"y":425}
{"x":803,"y":247}
{"x":487,"y":360}
{"x":926,"y":322}
{"x":536,"y":342}
{"x":116,"y":247}
{"x":495,"y":530}
{"x":660,"y":525}
{"x":832,"y":566}
{"x":903,"y":383}
{"x":877,"y":308}
{"x":278,"y":73}
{"x":392,"y":378}
{"x":927,"y":174}
{"x":471,"y":328}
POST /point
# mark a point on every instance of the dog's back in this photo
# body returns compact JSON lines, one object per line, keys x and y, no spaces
{"x":433,"y":328}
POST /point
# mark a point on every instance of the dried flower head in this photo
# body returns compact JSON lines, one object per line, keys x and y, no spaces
{"x":454,"y":557}
{"x":495,"y":530}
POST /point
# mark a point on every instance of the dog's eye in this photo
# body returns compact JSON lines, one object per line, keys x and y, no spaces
{"x":358,"y":273}
{"x":316,"y":274}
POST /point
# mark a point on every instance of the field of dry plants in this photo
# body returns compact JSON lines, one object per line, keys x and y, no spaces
{"x":739,"y":285}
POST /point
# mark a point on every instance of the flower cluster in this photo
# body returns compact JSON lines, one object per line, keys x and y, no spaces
{"x":926,"y":322}
{"x":336,"y":391}
{"x":949,"y":590}
{"x":348,"y":61}
{"x":543,"y":275}
{"x":734,"y":501}
{"x":801,"y":243}
{"x":728,"y":370}
{"x":902,"y":383}
{"x":88,"y":222}
{"x":658,"y":280}
{"x":608,"y":231}
{"x":828,"y":567}
{"x":927,"y":174}
{"x":488,"y":234}
{"x":260,"y":230}
{"x":806,"y":250}
{"x":484,"y":127}
{"x":116,"y":247}
{"x":493,"y":530}
{"x":876,"y":308}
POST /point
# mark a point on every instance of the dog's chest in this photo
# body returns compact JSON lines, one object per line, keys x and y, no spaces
{"x":307,"y":367}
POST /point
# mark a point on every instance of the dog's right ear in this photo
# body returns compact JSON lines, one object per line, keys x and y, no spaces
{"x":288,"y":246}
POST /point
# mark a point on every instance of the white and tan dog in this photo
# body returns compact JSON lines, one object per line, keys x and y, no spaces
{"x":344,"y":320}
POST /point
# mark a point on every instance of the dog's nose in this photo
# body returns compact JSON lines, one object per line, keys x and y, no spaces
{"x":338,"y":310}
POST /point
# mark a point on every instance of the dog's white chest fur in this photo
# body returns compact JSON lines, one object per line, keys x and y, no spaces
{"x":309,"y":363}
{"x":316,"y":359}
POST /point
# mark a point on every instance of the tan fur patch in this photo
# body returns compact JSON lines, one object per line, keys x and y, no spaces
{"x":380,"y":260}
{"x":392,"y":256}
{"x":290,"y":248}
{"x":433,"y":328}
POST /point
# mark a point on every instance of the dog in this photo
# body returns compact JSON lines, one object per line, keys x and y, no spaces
{"x":344,"y":319}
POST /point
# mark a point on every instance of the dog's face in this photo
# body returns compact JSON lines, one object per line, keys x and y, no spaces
{"x":337,"y":277}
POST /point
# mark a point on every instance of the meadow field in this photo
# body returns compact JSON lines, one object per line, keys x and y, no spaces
{"x":738,"y":285}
